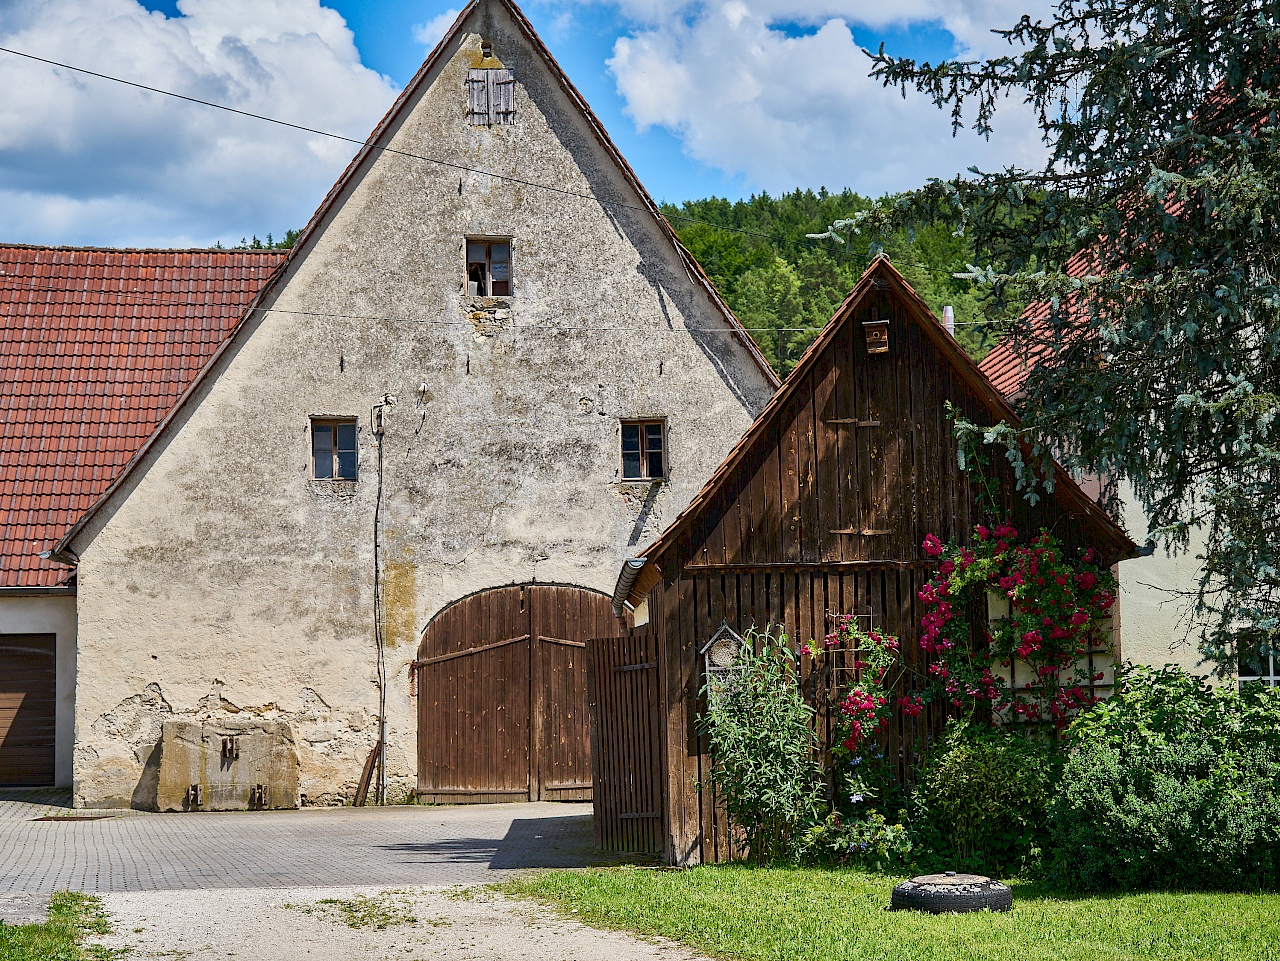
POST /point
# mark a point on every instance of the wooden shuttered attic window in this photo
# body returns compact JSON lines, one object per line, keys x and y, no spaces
{"x":490,"y":97}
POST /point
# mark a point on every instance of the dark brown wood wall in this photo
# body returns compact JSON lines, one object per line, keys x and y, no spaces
{"x":826,"y":516}
{"x":626,"y":742}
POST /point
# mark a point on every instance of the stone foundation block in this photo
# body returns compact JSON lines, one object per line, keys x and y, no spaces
{"x":227,"y":765}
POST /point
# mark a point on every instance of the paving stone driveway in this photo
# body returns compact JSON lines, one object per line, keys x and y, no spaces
{"x":132,"y":851}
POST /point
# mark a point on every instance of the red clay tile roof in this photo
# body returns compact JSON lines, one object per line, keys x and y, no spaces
{"x":1008,"y":370}
{"x":95,"y":347}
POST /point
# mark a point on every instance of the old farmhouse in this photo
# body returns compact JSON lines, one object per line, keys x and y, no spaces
{"x":819,"y":511}
{"x":265,"y":511}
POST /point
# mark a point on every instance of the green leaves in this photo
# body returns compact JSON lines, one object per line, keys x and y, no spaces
{"x":1171,"y":784}
{"x":764,"y":769}
{"x":784,"y":285}
{"x":1148,"y":242}
{"x":983,"y":797}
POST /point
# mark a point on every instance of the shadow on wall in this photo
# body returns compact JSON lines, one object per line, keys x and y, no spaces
{"x":557,"y":842}
{"x":146,"y":792}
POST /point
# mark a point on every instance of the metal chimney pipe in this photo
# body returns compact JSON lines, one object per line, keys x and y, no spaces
{"x":949,"y":319}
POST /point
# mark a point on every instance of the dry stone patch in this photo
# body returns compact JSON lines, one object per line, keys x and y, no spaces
{"x":359,"y":924}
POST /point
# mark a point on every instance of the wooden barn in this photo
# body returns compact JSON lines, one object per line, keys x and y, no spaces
{"x":819,"y":510}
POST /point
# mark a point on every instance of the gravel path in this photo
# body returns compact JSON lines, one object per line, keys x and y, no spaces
{"x":359,"y":924}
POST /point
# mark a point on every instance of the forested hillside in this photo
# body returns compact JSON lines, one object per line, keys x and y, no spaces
{"x":784,"y":287}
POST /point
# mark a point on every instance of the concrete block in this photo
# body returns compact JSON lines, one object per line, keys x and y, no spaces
{"x":228,"y":764}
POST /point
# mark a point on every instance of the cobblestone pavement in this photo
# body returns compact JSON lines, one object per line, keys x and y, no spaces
{"x":132,"y":851}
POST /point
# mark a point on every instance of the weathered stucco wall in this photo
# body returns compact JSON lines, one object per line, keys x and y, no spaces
{"x":44,"y":613}
{"x":221,"y":580}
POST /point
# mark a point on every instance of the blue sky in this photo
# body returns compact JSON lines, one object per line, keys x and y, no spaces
{"x":724,"y":97}
{"x":582,"y":46}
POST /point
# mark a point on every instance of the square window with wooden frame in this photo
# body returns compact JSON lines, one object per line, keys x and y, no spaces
{"x":334,"y":453}
{"x":489,"y":268}
{"x":644,"y":450}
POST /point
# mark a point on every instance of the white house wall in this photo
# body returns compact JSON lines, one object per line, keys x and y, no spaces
{"x":220,"y":579}
{"x":1153,"y":600}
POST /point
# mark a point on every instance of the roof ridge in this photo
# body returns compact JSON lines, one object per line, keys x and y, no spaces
{"x":279,"y":251}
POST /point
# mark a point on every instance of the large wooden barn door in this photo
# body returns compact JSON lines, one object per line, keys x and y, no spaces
{"x":27,"y":712}
{"x":502,"y":695}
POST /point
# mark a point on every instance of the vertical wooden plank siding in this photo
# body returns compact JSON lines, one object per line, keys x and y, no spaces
{"x":628,"y":800}
{"x":824,"y":515}
{"x":502,"y":712}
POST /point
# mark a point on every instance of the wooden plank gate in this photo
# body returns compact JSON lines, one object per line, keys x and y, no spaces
{"x":502,"y":695}
{"x":626,"y":742}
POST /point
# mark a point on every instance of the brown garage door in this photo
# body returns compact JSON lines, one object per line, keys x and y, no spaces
{"x":502,"y":695}
{"x":26,"y":709}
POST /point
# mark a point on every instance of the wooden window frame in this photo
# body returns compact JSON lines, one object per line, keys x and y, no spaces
{"x":335,"y":451}
{"x":664,"y":448}
{"x":488,"y":280}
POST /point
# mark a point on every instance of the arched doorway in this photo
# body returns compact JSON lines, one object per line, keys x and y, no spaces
{"x":502,"y":695}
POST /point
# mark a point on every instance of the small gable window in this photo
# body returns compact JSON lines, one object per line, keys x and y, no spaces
{"x":491,"y":97}
{"x":489,"y":268}
{"x":333,"y":449}
{"x":644,"y":450}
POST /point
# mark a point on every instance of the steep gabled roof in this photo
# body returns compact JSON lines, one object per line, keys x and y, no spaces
{"x":374,"y":145}
{"x":95,"y":347}
{"x":638,"y":574}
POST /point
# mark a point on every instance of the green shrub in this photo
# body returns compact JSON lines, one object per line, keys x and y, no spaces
{"x":866,"y":841}
{"x":983,"y":797}
{"x":763,"y":750}
{"x":1171,"y":784}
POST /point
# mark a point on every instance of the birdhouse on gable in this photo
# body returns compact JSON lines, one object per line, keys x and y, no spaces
{"x":877,"y":333}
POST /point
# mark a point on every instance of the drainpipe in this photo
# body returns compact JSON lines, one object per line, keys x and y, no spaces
{"x":377,"y":418}
{"x":631,"y":569}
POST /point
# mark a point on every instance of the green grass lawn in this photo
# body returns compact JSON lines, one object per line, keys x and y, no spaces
{"x":732,"y":911}
{"x":61,"y":938}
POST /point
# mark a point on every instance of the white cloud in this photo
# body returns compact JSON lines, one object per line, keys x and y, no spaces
{"x":969,"y":21}
{"x":428,"y":34}
{"x":84,"y":160}
{"x":755,"y":100}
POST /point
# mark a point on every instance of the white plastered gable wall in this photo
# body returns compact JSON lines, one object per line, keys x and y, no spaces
{"x":219,"y":579}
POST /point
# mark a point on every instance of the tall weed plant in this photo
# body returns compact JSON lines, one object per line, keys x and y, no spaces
{"x":764,"y":752}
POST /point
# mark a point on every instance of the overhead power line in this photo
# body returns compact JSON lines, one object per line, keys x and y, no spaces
{"x":563,"y":191}
{"x":241,"y":307}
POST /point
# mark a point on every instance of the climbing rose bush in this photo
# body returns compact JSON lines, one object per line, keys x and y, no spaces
{"x":1057,"y":609}
{"x":864,"y":708}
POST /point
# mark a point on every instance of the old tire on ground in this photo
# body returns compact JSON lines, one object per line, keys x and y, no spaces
{"x":951,"y":892}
